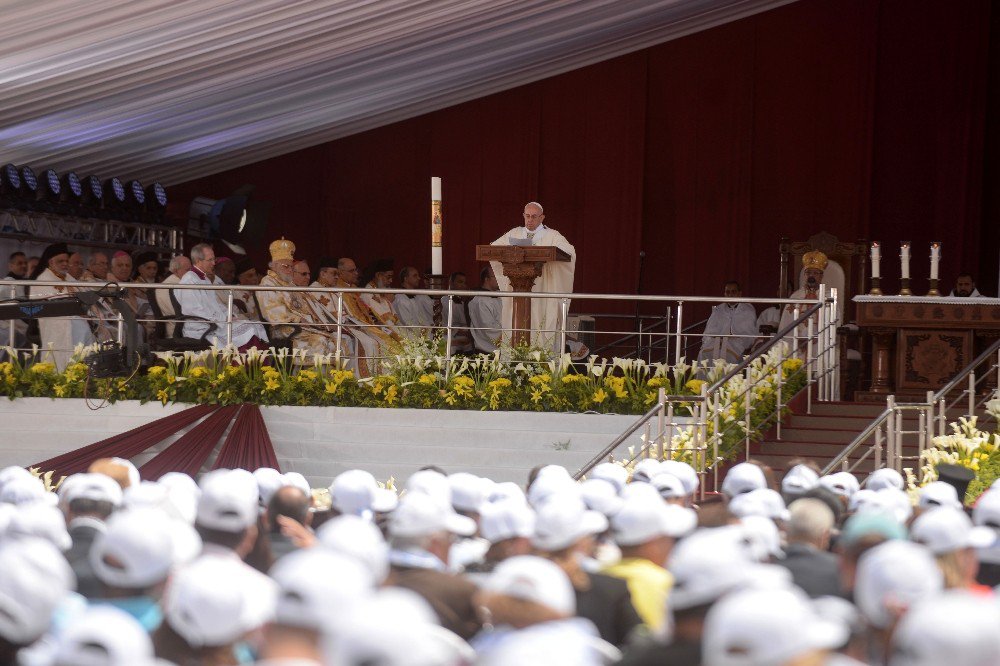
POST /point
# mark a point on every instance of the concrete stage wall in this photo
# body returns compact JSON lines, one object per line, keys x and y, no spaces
{"x":321,"y":442}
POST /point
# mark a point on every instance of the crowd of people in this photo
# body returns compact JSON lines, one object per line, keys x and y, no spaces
{"x":625,"y":567}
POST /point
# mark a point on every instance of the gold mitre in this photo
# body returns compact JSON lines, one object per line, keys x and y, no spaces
{"x":815,"y":259}
{"x":282,"y":249}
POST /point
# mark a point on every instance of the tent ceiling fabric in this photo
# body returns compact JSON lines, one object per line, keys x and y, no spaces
{"x":172,"y":90}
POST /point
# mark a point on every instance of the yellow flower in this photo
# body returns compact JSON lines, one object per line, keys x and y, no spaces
{"x":162,"y":396}
{"x":306,"y":375}
{"x":573,"y":379}
{"x":599,"y":396}
{"x":43,"y":368}
{"x":331,"y":387}
{"x":500,"y":383}
{"x":197,"y":372}
{"x":156,"y":371}
{"x":271,"y":384}
{"x":232,"y":371}
{"x":427,"y":379}
{"x":542,"y":379}
{"x":695,"y":385}
{"x":536,"y":395}
{"x":617,"y":385}
{"x":390,"y":394}
{"x":341,"y":376}
{"x":60,"y":390}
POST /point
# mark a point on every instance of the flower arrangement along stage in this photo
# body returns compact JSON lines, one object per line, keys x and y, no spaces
{"x":968,"y":446}
{"x":518,"y":379}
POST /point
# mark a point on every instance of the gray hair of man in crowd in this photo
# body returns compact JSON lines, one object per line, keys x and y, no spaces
{"x":176,"y":262}
{"x":810,"y":522}
{"x":198,"y":252}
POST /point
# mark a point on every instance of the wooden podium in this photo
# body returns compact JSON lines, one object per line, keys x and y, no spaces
{"x":920,"y":343}
{"x":522,"y":264}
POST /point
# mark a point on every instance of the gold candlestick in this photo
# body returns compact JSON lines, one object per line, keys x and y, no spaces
{"x":904,"y":287}
{"x":875,"y":290}
{"x":934,"y":288}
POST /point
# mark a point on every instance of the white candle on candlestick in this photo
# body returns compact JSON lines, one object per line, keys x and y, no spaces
{"x":935,"y":259}
{"x":904,"y":259}
{"x":876,"y":259}
{"x":436,"y":254}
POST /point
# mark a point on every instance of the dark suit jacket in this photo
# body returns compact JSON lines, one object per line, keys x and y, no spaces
{"x":814,"y":570}
{"x":78,"y":557}
{"x":449,"y":595}
{"x":608,"y":604}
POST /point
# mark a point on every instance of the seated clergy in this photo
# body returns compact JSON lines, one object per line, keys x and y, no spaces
{"x":731,"y":328}
{"x":378,"y":275}
{"x":416,"y":311}
{"x":461,"y":339}
{"x":485,"y":314}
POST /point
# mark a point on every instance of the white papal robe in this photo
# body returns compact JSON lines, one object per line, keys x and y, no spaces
{"x":557,"y":277}
{"x":205,"y":304}
{"x":60,"y":334}
{"x":726,"y":321}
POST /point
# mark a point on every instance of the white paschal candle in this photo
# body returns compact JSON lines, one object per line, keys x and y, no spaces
{"x":876,"y":260}
{"x":436,"y":256}
{"x":935,"y":259}
{"x":904,"y":260}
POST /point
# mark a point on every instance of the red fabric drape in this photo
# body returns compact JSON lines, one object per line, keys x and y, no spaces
{"x":192,"y":449}
{"x":248,"y":446}
{"x":864,"y":118}
{"x":125,"y":445}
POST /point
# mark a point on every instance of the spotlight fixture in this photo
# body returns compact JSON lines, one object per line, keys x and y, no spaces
{"x":135,"y":194}
{"x":236,"y":219}
{"x":156,"y":196}
{"x":114,"y":193}
{"x":92,"y":195}
{"x":49,"y":186}
{"x":28,"y":180}
{"x":10,"y":180}
{"x":71,"y":186}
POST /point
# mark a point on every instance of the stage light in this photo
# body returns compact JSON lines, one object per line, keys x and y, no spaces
{"x":92,"y":196}
{"x":135,"y":194}
{"x":236,"y":219}
{"x":10,"y":179}
{"x":28,"y":180}
{"x":49,"y":186}
{"x":156,"y":196}
{"x":114,"y":191}
{"x":72,"y":188}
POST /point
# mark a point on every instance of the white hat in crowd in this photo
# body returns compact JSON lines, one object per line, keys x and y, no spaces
{"x":669,"y":486}
{"x":104,"y":636}
{"x":761,"y":502}
{"x":799,"y":480}
{"x":641,"y":520}
{"x":947,"y":529}
{"x":885,"y":477}
{"x":469,"y":492}
{"x":708,"y":564}
{"x":42,"y":521}
{"x":563,"y":520}
{"x":891,"y":577}
{"x":766,"y":626}
{"x":228,"y":502}
{"x":500,"y":521}
{"x":357,"y":493}
{"x":34,"y":579}
{"x":359,"y":539}
{"x":297,"y":480}
{"x":130,"y":469}
{"x":317,"y":586}
{"x":743,"y":478}
{"x":646,"y":469}
{"x":551,"y":485}
{"x":616,"y":475}
{"x":765,"y":540}
{"x":506,"y":490}
{"x":22,"y":490}
{"x":953,"y":627}
{"x":269,"y":481}
{"x":140,"y":546}
{"x":8,"y":474}
{"x":601,"y":495}
{"x":683,"y":471}
{"x":215,"y":600}
{"x":432,"y":483}
{"x":420,"y":515}
{"x":534,"y":579}
{"x":844,"y":484}
{"x":88,"y":486}
{"x":939,"y":493}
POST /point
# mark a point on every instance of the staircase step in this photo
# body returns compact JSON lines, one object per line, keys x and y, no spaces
{"x":862,"y":409}
{"x":808,"y":449}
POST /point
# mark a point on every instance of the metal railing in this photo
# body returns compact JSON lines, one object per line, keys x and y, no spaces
{"x":817,"y":350}
{"x":888,"y":432}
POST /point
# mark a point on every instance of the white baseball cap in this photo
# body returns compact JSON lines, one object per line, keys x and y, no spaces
{"x":215,"y":600}
{"x":987,"y":509}
{"x":765,"y":540}
{"x":563,"y":520}
{"x":669,"y":486}
{"x":947,"y":529}
{"x":844,"y":484}
{"x":600,"y":495}
{"x":640,"y":520}
{"x":743,"y":478}
{"x":551,"y":485}
{"x":421,"y":515}
{"x":884,"y":477}
{"x":534,"y":579}
{"x":953,"y":627}
{"x":506,"y":490}
{"x":939,"y":493}
{"x":22,"y":490}
{"x":613,"y":473}
{"x":761,"y":502}
{"x":893,"y":575}
{"x":137,"y":550}
{"x":500,"y":521}
{"x":269,"y":480}
{"x":572,"y":642}
{"x":766,"y":626}
{"x":316,"y":586}
{"x":708,"y":564}
{"x":228,"y":501}
{"x":88,"y":486}
{"x":104,"y":636}
{"x":897,"y":502}
{"x":468,"y":491}
{"x":684,"y":472}
{"x":41,"y":521}
{"x":358,"y":538}
{"x":34,"y":579}
{"x":131,"y":470}
{"x":645,"y":469}
{"x":432,"y":483}
{"x":356,"y":492}
{"x":865,"y":499}
{"x":13,"y":472}
{"x":299,"y":481}
{"x":182,"y":494}
{"x":799,"y":480}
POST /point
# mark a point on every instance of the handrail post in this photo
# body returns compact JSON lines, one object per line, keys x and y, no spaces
{"x":716,"y":434}
{"x":820,"y":335}
{"x":340,"y":325}
{"x":780,"y":406}
{"x":746,"y":403}
{"x":677,"y":342}
{"x":647,"y":444}
{"x":972,"y":394}
{"x":878,"y":445}
{"x":10,"y":324}
{"x":664,"y":418}
{"x":810,"y":371}
{"x":229,"y":318}
{"x":890,"y":433}
{"x":447,"y":334}
{"x":564,"y":318}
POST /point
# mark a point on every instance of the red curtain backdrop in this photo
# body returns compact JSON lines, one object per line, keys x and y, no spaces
{"x":864,"y":118}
